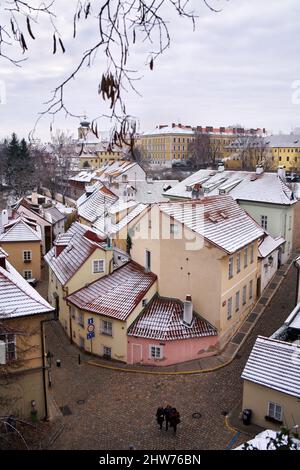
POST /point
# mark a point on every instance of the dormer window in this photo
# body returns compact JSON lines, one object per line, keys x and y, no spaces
{"x":98,"y":266}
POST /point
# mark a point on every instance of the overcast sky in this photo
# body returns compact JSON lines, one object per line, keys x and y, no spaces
{"x":238,"y":66}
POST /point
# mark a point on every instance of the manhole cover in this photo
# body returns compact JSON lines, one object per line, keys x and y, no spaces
{"x":80,"y":402}
{"x":263,"y":300}
{"x":196,"y":415}
{"x":252,"y":317}
{"x":65,"y":410}
{"x":238,"y":338}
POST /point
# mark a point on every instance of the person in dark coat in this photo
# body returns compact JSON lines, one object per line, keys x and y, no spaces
{"x":167,"y":412}
{"x":174,"y":419}
{"x":160,"y":416}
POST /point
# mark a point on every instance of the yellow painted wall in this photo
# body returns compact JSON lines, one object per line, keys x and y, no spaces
{"x":256,"y":398}
{"x":26,"y":378}
{"x":15,"y":252}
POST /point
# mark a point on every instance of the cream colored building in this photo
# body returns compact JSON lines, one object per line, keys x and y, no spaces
{"x":207,"y":249}
{"x":23,"y":369}
{"x":272,"y":383}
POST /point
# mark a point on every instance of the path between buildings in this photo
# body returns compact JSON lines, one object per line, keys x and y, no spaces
{"x":212,"y":363}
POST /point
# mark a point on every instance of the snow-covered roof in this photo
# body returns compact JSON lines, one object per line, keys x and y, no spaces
{"x":261,"y":441}
{"x":293,"y":320}
{"x":241,"y":185}
{"x":269,"y":244}
{"x":20,"y":231}
{"x":106,"y":227}
{"x":83,"y":176}
{"x":162,"y":320}
{"x":17,"y":297}
{"x":54,"y":214}
{"x":117,"y":294}
{"x":274,"y":364}
{"x":79,"y":246}
{"x":219,"y":219}
{"x":94,"y":205}
{"x":169,"y":130}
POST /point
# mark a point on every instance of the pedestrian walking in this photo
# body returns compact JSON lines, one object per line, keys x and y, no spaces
{"x":167,"y":412}
{"x":160,"y":416}
{"x":174,"y":419}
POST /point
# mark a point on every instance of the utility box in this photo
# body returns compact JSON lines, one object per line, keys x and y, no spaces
{"x":246,"y":417}
{"x":2,"y":352}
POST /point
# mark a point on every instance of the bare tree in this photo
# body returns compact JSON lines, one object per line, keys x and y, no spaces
{"x":251,"y":150}
{"x":117,"y":26}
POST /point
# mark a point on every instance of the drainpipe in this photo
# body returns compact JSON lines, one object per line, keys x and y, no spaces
{"x":44,"y":366}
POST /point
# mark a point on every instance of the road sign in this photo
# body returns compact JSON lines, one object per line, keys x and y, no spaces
{"x":90,"y":335}
{"x":90,"y":321}
{"x":91,"y":328}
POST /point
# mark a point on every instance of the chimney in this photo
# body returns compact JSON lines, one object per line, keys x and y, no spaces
{"x":4,"y":219}
{"x":188,"y":311}
{"x":173,"y":124}
{"x":221,"y":167}
{"x":34,"y":198}
{"x":259,"y":169}
{"x":281,"y":172}
{"x":89,"y":189}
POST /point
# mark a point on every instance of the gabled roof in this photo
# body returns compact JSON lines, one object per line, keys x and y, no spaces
{"x":95,"y":205}
{"x":241,"y":185}
{"x":274,"y":364}
{"x":162,"y":320}
{"x":219,"y":219}
{"x":20,"y":231}
{"x":17,"y":297}
{"x":54,"y":214}
{"x":117,"y":294}
{"x":78,"y":249}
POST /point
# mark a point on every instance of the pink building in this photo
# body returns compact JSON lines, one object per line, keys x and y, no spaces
{"x":169,"y":332}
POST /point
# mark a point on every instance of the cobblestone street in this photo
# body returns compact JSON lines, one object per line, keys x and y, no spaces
{"x":113,"y":410}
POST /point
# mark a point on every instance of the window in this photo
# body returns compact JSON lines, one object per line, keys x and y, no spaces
{"x":106,"y":327}
{"x":237,"y":301}
{"x":244,"y":295}
{"x":107,"y":352}
{"x":27,"y":274}
{"x":148,"y":260}
{"x":27,"y":256}
{"x":251,"y":253}
{"x":250,"y":289}
{"x":173,"y":228}
{"x":80,"y":319}
{"x":10,"y":346}
{"x":229,"y":308}
{"x":290,"y":222}
{"x":246,"y":257}
{"x":238,"y":263}
{"x":275,"y":411}
{"x":156,"y":352}
{"x":73,"y":311}
{"x":144,"y":302}
{"x":264,"y":222}
{"x":230,"y":267}
{"x":98,"y":266}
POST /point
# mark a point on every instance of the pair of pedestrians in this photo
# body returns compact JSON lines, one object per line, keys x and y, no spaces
{"x":168,"y":414}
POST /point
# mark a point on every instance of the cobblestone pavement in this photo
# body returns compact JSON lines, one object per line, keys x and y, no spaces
{"x":113,"y":410}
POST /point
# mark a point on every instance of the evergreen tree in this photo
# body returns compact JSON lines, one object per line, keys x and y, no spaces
{"x":19,"y":171}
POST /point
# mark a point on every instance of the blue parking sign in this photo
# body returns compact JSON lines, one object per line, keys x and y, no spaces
{"x":90,"y":335}
{"x":90,"y":321}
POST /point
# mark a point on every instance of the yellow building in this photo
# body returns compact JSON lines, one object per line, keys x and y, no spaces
{"x":97,"y":157}
{"x":271,"y":384}
{"x":101,"y":313}
{"x":78,"y":257}
{"x":22,"y":242}
{"x":206,"y":249}
{"x":23,"y":381}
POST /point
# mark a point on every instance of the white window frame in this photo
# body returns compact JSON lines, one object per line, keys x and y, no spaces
{"x":245,"y":257}
{"x":9,"y":338}
{"x":153,"y":350}
{"x":148,"y":267}
{"x":252,"y":253}
{"x":275,"y":413}
{"x":25,"y":275}
{"x":264,"y":221}
{"x":25,"y":258}
{"x":230,"y":267}
{"x":144,"y":302}
{"x":244,"y":295}
{"x":173,"y":228}
{"x":99,"y":270}
{"x":238,"y":263}
{"x":229,"y":308}
{"x":105,"y":328}
{"x":80,"y":319}
{"x":237,"y":301}
{"x":251,"y":289}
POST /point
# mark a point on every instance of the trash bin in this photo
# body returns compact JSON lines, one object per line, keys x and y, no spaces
{"x":58,"y":362}
{"x":247,"y":416}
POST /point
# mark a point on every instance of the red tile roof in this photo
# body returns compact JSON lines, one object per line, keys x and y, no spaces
{"x":162,"y":320}
{"x":117,"y":294}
